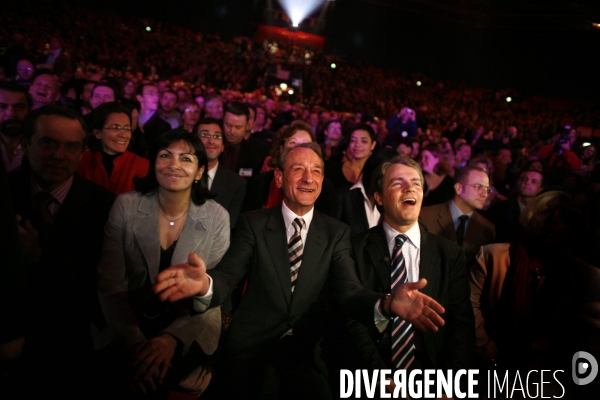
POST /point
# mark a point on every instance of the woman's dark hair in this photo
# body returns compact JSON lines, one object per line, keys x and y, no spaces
{"x":149,"y":184}
{"x":284,"y":134}
{"x":99,"y":117}
{"x":436,"y":151}
{"x":364,"y":127}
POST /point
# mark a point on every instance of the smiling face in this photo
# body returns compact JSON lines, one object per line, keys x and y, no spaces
{"x":300,"y":180}
{"x":214,"y":147}
{"x":114,"y":141}
{"x":428,"y":161}
{"x":401,"y":197}
{"x":177,"y":168}
{"x":45,"y":89}
{"x":361,"y":144}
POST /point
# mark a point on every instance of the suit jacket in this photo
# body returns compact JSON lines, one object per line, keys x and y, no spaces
{"x":268,"y":309}
{"x":437,"y":219}
{"x":130,"y":262}
{"x":230,"y":189}
{"x":505,"y":217}
{"x":442,"y":263}
{"x":248,"y":157}
{"x":352,"y":210}
{"x":61,"y":286}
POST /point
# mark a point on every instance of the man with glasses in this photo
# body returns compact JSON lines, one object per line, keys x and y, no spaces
{"x":25,"y":70}
{"x":149,"y":124}
{"x":458,"y":219}
{"x":229,"y":187}
{"x":62,"y":217}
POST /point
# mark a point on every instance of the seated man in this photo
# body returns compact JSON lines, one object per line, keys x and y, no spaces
{"x":458,"y":219}
{"x":62,"y":220}
{"x":296,"y":259}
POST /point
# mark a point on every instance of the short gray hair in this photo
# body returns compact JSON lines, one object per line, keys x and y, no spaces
{"x":284,"y":153}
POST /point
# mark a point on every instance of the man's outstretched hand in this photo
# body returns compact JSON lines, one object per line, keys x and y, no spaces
{"x":184,"y":280}
{"x":415,"y":307}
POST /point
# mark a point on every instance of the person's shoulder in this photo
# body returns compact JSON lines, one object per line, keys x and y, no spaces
{"x":328,"y":223}
{"x":430,"y":241}
{"x":214,"y":208}
{"x":231,"y":177}
{"x":97,"y":193}
{"x":483,"y":221}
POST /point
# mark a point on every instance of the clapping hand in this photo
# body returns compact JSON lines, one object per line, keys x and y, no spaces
{"x":183,"y":280}
{"x":415,"y":307}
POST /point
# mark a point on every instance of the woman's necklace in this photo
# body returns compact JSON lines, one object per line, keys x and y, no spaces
{"x":172,"y":222}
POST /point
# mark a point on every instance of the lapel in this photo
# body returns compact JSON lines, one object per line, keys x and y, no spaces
{"x":474,"y":233}
{"x":145,"y":229}
{"x":446,"y":223}
{"x":379,"y":255}
{"x":276,"y":240}
{"x":219,"y":182}
{"x":313,"y":250}
{"x":429,"y":267}
{"x":358,"y":201}
{"x":193,"y":234}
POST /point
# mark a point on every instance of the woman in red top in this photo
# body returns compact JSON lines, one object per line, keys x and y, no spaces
{"x":108,"y":163}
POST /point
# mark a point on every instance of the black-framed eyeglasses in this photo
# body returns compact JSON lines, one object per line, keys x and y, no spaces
{"x":479,"y":188}
{"x":208,"y":135}
{"x":125,"y":128}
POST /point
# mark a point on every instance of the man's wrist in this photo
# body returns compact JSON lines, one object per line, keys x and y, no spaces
{"x":384,"y":306}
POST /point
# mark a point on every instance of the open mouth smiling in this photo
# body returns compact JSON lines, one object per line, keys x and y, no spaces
{"x":411,"y":202}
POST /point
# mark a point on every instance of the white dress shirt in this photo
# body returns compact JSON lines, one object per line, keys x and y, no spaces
{"x":373,"y":215}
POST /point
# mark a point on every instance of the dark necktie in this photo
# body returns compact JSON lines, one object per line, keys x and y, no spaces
{"x":295,"y":250}
{"x":403,"y":346}
{"x":460,"y":232}
{"x":41,"y":217}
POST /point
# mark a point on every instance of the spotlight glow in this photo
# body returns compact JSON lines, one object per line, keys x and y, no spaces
{"x":283,"y":86}
{"x":297,"y":10}
{"x":148,"y":29}
{"x":333,"y":65}
{"x":508,"y":99}
{"x":291,"y":91}
{"x":418,"y":83}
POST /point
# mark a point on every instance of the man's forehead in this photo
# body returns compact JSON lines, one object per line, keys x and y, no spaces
{"x":304,"y":156}
{"x":401,"y":171}
{"x":58,"y":125}
{"x":477,"y":176}
{"x":209,"y":127}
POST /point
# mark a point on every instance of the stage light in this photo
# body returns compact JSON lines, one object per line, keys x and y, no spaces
{"x":586,"y":144}
{"x":291,"y":91}
{"x":148,"y":29}
{"x":418,"y":83}
{"x":297,"y":10}
{"x":508,"y":99}
{"x":596,"y":24}
{"x":333,"y":65}
{"x":283,"y":86}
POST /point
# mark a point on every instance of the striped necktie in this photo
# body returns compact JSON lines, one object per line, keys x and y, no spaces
{"x":403,"y":347}
{"x":295,"y":250}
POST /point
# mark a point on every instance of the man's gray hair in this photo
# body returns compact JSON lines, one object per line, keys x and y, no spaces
{"x":284,"y":153}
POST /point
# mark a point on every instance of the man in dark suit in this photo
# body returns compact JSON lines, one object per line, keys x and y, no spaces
{"x":240,"y":156}
{"x":229,"y":187}
{"x":458,"y":219}
{"x":269,"y":347}
{"x":433,"y":265}
{"x":62,"y":219}
{"x":149,"y":123}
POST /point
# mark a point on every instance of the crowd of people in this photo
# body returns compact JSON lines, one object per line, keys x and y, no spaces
{"x":135,"y":161}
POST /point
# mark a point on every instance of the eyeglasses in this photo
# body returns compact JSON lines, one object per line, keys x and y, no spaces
{"x":24,"y":69}
{"x":150,"y":93}
{"x":191,"y":111}
{"x":479,"y":188}
{"x":208,"y":136}
{"x":125,"y":128}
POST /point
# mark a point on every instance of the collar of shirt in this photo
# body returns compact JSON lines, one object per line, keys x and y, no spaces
{"x":411,"y":248}
{"x":373,"y":215}
{"x":59,"y":193}
{"x":211,"y":174}
{"x":288,"y":218}
{"x":456,"y":213}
